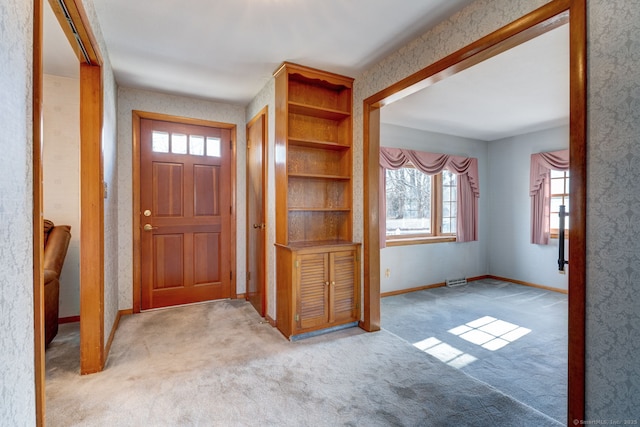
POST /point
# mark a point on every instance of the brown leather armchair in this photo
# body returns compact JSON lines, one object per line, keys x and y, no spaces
{"x":56,"y":243}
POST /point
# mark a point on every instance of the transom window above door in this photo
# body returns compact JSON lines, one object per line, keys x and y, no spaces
{"x":179,"y":143}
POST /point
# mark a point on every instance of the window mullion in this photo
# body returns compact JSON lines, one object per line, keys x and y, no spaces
{"x":436,"y":204}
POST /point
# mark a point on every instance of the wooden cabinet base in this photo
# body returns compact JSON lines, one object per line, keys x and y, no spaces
{"x":318,"y":287}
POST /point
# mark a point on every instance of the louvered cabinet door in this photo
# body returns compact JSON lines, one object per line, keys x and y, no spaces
{"x":343,"y":272}
{"x":313,"y":290}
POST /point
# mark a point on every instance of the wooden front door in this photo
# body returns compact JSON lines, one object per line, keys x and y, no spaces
{"x":256,"y":226}
{"x":185,"y":212}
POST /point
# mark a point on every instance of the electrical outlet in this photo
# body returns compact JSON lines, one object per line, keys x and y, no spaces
{"x":387,"y":272}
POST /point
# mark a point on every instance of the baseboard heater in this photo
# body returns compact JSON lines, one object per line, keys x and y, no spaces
{"x":452,"y":283}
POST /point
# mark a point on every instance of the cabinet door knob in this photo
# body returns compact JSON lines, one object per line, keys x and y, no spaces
{"x":333,"y":283}
{"x":326,"y":283}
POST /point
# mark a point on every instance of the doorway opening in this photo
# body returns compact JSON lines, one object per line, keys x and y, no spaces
{"x":500,"y":112}
{"x":519,"y":31}
{"x":74,"y":23}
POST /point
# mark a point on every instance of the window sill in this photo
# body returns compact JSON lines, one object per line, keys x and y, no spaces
{"x":419,"y":240}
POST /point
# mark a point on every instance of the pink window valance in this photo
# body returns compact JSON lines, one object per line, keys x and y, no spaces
{"x":466,"y":168}
{"x":540,"y":191}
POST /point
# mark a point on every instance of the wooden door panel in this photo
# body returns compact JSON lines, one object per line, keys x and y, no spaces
{"x":168,"y":254}
{"x":206,"y":252}
{"x":256,"y":230}
{"x":166,"y":190}
{"x":206,"y":195}
{"x":343,"y":268}
{"x":313,"y":306}
{"x":185,"y":201}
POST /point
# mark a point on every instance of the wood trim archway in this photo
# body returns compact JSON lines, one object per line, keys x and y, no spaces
{"x":135,"y":130}
{"x":91,"y":192}
{"x":527,"y":27}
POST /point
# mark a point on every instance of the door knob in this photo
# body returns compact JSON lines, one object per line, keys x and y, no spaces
{"x":149,"y":227}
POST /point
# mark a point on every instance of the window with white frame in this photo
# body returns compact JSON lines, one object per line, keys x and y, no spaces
{"x":559,"y":183}
{"x":420,"y":205}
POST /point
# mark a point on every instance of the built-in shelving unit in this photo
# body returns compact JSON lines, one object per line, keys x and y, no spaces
{"x":313,"y":192}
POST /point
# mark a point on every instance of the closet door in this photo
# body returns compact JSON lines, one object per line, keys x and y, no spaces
{"x":313,"y":290}
{"x":343,"y":286}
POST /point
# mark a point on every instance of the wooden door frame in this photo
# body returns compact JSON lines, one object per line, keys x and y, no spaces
{"x":92,"y":355}
{"x":136,"y":232}
{"x":264,"y":113}
{"x":525,"y":28}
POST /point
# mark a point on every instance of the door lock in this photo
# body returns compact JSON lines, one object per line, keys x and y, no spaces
{"x":261,"y":226}
{"x":147,"y":213}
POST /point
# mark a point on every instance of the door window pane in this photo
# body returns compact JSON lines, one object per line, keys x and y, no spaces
{"x":178,"y":143}
{"x":213,"y":147}
{"x":159,"y":142}
{"x":196,"y":145}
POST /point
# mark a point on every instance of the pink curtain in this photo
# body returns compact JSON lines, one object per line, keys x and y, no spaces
{"x":468,"y":185}
{"x":540,"y":191}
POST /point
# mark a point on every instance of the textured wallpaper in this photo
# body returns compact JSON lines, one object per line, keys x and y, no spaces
{"x":141,"y":100}
{"x":613,"y":211}
{"x":61,"y":172}
{"x":17,"y":394}
{"x":266,"y":97}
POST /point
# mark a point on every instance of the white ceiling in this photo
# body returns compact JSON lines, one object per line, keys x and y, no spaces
{"x":522,"y":90}
{"x":226,"y":50}
{"x":58,"y":57}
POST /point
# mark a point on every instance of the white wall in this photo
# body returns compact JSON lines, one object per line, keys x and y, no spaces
{"x":509,"y":249}
{"x":61,"y":176}
{"x":418,"y":265}
{"x":142,"y":100}
{"x":504,"y":247}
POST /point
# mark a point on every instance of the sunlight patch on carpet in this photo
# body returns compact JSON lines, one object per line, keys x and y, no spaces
{"x":489,"y":332}
{"x":445,"y":352}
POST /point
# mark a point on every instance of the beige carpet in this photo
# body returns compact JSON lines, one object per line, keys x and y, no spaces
{"x":216,"y":364}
